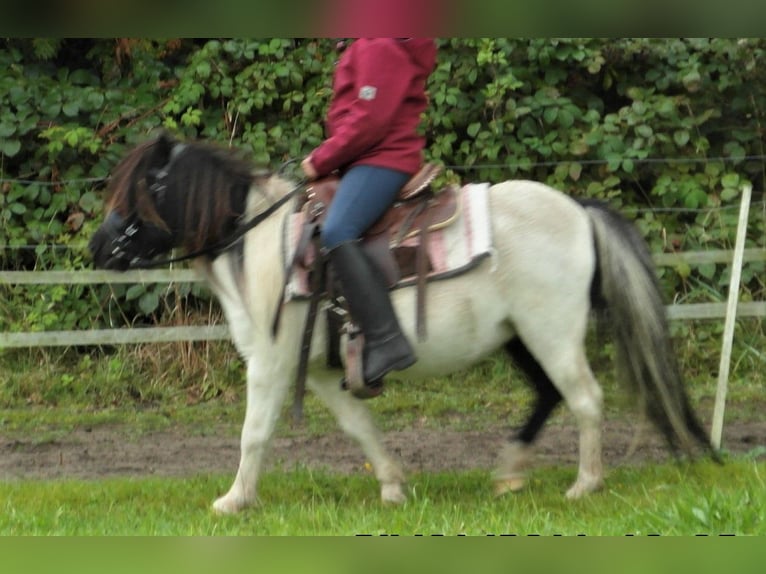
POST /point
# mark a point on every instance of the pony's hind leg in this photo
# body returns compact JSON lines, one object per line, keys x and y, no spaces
{"x":354,"y":419}
{"x":584,"y":398}
{"x":568,"y":375}
{"x":515,"y":458}
{"x":265,"y":395}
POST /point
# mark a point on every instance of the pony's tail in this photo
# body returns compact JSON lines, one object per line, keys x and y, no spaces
{"x":627,"y":291}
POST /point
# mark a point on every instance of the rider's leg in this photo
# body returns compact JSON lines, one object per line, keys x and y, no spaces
{"x":364,"y":194}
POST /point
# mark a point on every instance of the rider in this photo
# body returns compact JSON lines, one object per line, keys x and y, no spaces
{"x":379,"y":94}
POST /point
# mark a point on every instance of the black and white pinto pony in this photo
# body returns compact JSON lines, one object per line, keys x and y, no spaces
{"x":554,"y":260}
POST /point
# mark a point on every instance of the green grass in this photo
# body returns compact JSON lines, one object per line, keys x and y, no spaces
{"x":153,"y":387}
{"x":677,"y":499}
{"x":199,"y":389}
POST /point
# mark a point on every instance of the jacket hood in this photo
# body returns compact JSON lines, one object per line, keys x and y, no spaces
{"x":422,"y":52}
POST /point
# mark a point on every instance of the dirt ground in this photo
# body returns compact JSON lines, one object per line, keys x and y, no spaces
{"x":115,"y":452}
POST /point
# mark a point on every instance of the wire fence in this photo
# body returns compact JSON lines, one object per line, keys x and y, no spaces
{"x":685,"y":311}
{"x":677,"y":311}
{"x":477,"y":167}
{"x":628,"y":210}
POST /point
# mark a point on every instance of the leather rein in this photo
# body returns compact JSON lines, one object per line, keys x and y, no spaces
{"x":228,"y":242}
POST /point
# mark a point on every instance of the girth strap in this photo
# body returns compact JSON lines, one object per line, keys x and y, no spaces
{"x":308,"y":234}
{"x":421,"y":263}
{"x":317,"y":282}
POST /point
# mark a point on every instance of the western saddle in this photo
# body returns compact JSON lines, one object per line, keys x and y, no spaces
{"x":397,"y":243}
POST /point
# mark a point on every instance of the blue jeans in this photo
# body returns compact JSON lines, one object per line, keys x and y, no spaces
{"x":364,"y":193}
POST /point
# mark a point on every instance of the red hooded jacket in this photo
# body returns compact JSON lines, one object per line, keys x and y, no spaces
{"x":379,"y":92}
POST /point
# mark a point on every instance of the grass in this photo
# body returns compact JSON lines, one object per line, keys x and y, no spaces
{"x":199,"y":388}
{"x":201,"y":385}
{"x":683,"y":499}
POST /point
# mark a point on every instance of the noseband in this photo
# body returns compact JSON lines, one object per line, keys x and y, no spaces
{"x":124,"y":240}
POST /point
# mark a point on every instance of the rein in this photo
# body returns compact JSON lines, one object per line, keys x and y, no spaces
{"x":225,"y":244}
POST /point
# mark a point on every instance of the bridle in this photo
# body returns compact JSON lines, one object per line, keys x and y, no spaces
{"x":124,"y":231}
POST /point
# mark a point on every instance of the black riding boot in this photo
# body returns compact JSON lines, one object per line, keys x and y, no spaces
{"x":363,"y":286}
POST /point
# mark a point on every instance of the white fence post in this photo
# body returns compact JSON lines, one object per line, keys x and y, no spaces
{"x":731,"y":316}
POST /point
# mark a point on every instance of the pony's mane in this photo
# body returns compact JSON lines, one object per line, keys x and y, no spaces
{"x":206,"y":189}
{"x":127,"y":184}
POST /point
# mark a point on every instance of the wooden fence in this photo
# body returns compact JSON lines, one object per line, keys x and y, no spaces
{"x":219,"y":332}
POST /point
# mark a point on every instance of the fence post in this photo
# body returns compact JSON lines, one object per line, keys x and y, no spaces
{"x":731,"y":316}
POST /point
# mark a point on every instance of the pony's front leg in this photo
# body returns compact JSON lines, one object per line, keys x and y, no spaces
{"x":265,"y":395}
{"x":356,"y":421}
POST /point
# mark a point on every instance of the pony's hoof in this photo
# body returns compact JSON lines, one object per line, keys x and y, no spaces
{"x":584,"y":487}
{"x":229,"y":505}
{"x":392,"y":494}
{"x":510,"y":484}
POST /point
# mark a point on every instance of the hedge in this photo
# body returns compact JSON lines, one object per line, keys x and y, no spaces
{"x":665,"y":130}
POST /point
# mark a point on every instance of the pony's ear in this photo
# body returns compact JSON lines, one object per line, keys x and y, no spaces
{"x":163,"y":146}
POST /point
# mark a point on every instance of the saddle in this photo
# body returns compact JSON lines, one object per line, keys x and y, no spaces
{"x":396,"y":243}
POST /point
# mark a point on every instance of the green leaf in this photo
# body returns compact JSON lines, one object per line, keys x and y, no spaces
{"x":734,"y":150}
{"x":135,"y":291}
{"x":72,"y":138}
{"x":71,"y":109}
{"x":82,"y":77}
{"x":730,"y":180}
{"x":613,"y":162}
{"x":149,"y":303}
{"x":692,"y":81}
{"x":593,"y":137}
{"x":9,"y":148}
{"x":275,"y":44}
{"x":566,"y":119}
{"x":89,"y":201}
{"x":578,"y":148}
{"x":644,"y":131}
{"x":666,"y":108}
{"x":473,"y":129}
{"x":683,"y":269}
{"x":31,"y":192}
{"x":550,"y":115}
{"x":7,"y":129}
{"x":203,"y":70}
{"x":95,"y":100}
{"x":707,"y":270}
{"x":18,"y":95}
{"x":51,"y":109}
{"x":575,"y":170}
{"x":681,"y":137}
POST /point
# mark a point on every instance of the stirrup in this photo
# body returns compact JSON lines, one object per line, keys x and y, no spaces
{"x":354,"y":380}
{"x":365,"y":390}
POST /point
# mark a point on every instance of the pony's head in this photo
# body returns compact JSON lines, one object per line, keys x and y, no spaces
{"x":166,"y":194}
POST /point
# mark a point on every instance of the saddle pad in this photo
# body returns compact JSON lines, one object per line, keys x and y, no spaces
{"x":452,"y":250}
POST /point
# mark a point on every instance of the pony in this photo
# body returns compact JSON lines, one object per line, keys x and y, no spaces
{"x":555,"y":261}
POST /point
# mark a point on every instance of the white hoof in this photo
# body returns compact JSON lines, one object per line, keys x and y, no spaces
{"x":584,"y":486}
{"x":509,"y":484}
{"x":229,"y":504}
{"x":514,"y":459}
{"x":392,"y":493}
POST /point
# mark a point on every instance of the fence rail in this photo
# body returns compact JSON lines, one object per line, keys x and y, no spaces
{"x":135,"y":335}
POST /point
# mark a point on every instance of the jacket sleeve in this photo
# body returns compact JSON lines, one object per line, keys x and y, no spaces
{"x":382,"y":77}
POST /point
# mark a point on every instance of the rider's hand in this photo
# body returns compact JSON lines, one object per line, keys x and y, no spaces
{"x":308,"y":168}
